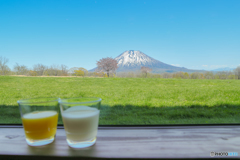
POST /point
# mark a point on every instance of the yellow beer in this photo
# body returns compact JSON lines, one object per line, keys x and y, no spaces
{"x":40,"y":124}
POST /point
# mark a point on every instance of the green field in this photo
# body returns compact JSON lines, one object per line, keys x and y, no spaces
{"x":132,"y":101}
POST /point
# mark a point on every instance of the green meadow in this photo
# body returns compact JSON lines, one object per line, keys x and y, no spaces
{"x":132,"y":101}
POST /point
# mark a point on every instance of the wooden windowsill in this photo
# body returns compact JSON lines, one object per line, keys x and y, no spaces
{"x":130,"y":142}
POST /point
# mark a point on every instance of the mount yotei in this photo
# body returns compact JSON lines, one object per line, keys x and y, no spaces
{"x":133,"y":61}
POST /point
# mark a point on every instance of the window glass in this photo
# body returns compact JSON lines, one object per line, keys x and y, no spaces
{"x":152,"y":62}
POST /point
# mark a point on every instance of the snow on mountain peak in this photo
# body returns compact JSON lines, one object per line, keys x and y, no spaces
{"x":133,"y":58}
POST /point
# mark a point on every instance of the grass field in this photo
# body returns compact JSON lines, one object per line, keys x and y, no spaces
{"x":132,"y":100}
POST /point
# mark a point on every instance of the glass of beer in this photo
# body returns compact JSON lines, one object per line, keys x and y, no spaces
{"x":39,"y":118}
{"x":80,"y":119}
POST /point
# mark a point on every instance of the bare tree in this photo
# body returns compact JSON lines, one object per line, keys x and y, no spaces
{"x":20,"y":69}
{"x":195,"y":75}
{"x":39,"y":68}
{"x":166,"y":75}
{"x":64,"y":70}
{"x":145,"y":70}
{"x":222,"y":74}
{"x":230,"y":75}
{"x":209,"y":75}
{"x":53,"y":70}
{"x":4,"y":69}
{"x":107,"y":64}
{"x":237,"y":72}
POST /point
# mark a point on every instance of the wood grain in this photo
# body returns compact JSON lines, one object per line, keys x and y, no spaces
{"x":181,"y":142}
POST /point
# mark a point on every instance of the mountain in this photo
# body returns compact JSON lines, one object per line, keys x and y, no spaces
{"x":223,"y":69}
{"x":133,"y":61}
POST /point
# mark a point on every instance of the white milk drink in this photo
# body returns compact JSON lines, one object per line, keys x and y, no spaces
{"x":80,"y":123}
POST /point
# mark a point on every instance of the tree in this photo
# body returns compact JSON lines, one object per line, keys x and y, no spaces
{"x":216,"y":76}
{"x":20,"y":69}
{"x":222,"y":74}
{"x":39,"y":68}
{"x":178,"y":75}
{"x":71,"y":71}
{"x":64,"y":70}
{"x":32,"y":73}
{"x":145,"y":70}
{"x":209,"y":75}
{"x":100,"y":74}
{"x":166,"y":75}
{"x":78,"y":73}
{"x":107,"y":64}
{"x":53,"y":70}
{"x":237,"y":72}
{"x":186,"y":75}
{"x":232,"y":76}
{"x":181,"y":75}
{"x":4,"y":69}
{"x":84,"y":70}
{"x":195,"y":75}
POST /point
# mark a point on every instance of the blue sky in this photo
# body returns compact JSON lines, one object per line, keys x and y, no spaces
{"x":196,"y":34}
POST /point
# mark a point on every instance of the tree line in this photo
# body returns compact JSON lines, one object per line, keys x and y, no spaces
{"x":106,"y":67}
{"x":40,"y":70}
{"x":185,"y":75}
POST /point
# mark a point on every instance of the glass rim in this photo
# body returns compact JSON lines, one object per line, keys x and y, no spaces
{"x":61,"y":102}
{"x":26,"y":101}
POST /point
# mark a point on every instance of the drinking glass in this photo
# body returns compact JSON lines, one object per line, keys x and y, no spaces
{"x":39,"y":118}
{"x":80,"y":119}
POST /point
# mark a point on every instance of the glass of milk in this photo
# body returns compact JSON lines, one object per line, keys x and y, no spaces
{"x":80,"y":119}
{"x":39,"y":118}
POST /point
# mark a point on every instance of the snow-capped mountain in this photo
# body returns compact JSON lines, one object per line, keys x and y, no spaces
{"x":132,"y":60}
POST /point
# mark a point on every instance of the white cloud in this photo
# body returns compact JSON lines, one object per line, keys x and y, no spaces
{"x":205,"y":65}
{"x":177,"y":65}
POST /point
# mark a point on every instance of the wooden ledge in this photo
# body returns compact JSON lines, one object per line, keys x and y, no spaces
{"x":130,"y":142}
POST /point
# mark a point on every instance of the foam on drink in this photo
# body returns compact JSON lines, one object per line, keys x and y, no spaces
{"x":39,"y":114}
{"x":80,"y":123}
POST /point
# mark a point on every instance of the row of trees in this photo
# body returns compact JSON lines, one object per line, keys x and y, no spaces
{"x":106,"y":68}
{"x":184,"y":75}
{"x":205,"y":75}
{"x":40,"y":70}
